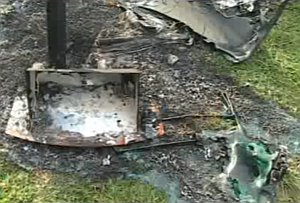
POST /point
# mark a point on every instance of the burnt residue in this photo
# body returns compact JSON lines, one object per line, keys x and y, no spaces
{"x":128,"y":84}
{"x":91,"y":105}
{"x":191,"y":85}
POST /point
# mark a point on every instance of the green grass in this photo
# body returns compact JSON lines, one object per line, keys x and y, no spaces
{"x":5,"y":9}
{"x":19,"y":186}
{"x":274,"y":70}
{"x":289,"y":190}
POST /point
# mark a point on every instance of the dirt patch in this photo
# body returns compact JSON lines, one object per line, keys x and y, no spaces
{"x":190,"y":85}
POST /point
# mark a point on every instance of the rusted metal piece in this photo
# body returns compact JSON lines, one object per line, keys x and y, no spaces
{"x":197,"y":116}
{"x":82,"y":108}
{"x":149,"y":146}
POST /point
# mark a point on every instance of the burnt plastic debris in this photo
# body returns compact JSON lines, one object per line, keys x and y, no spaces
{"x":255,"y":168}
{"x":251,"y":164}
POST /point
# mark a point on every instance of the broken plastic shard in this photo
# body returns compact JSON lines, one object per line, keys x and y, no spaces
{"x":106,"y":161}
{"x":203,"y":18}
{"x":19,"y":117}
{"x":172,"y":59}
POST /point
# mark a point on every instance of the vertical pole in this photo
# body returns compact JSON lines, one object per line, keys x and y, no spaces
{"x":56,"y":28}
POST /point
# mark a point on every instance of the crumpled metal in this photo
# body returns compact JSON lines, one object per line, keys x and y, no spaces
{"x":237,"y":35}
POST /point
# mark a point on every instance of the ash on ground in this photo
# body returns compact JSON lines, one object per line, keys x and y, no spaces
{"x":190,"y":85}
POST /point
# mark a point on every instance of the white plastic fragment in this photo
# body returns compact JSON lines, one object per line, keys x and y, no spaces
{"x":146,"y":20}
{"x":38,"y":66}
{"x":224,"y":4}
{"x":106,"y":161}
{"x":172,"y":59}
{"x":17,"y":123}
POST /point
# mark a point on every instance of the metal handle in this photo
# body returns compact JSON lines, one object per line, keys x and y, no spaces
{"x":56,"y":28}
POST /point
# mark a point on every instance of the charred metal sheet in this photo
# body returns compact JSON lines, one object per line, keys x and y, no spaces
{"x":78,"y":108}
{"x":110,"y":53}
{"x":238,"y":35}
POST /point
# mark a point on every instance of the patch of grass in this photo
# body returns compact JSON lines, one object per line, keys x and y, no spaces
{"x":5,"y":9}
{"x":289,"y":190}
{"x":274,"y":70}
{"x":18,"y":186}
{"x":217,"y":124}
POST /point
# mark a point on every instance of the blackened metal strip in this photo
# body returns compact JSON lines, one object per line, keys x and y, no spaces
{"x":56,"y":27}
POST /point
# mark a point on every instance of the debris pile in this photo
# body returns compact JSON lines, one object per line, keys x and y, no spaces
{"x":216,"y":21}
{"x":178,"y":97}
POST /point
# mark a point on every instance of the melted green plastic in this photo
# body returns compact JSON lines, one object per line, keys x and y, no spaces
{"x":249,"y":176}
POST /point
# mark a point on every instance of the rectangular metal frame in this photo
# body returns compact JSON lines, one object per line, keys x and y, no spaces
{"x":66,"y":138}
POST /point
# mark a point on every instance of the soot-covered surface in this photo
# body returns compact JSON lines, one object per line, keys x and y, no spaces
{"x":190,"y":85}
{"x":87,"y":109}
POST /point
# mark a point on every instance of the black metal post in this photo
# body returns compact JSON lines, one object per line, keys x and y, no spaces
{"x":56,"y":23}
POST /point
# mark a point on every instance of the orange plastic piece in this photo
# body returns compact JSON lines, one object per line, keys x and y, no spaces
{"x":161,"y":129}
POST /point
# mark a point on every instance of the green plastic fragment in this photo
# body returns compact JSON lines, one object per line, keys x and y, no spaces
{"x":249,"y":175}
